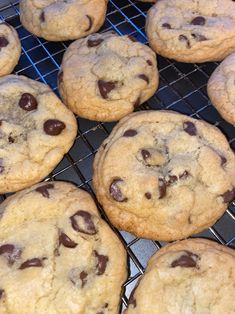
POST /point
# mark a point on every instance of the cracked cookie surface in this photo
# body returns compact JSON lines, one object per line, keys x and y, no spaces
{"x":191,"y":276}
{"x":105,"y":76}
{"x":163,"y":175}
{"x":57,"y":255}
{"x":57,"y":20}
{"x":36,"y":130}
{"x":192,"y":31}
{"x":220,"y":88}
{"x":10,"y":48}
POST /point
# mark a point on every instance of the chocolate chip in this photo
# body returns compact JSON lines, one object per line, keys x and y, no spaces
{"x":130,"y":133}
{"x":166,"y":25}
{"x":76,"y":276}
{"x":3,"y":42}
{"x":11,"y":252}
{"x":144,"y":78}
{"x":82,"y":221}
{"x":105,"y":88}
{"x":132,"y":38}
{"x":90,"y":23}
{"x":42,"y":17}
{"x":185,"y":39}
{"x":149,"y":62}
{"x":148,"y":195}
{"x":137,"y":102}
{"x":223,"y":160}
{"x":229,"y":196}
{"x":190,"y":128}
{"x":101,"y":263}
{"x":171,"y":179}
{"x":184,"y":175}
{"x":66,"y":241}
{"x":60,"y":77}
{"x":2,"y":168}
{"x":83,"y":277}
{"x":44,"y":189}
{"x":115,"y":191}
{"x":187,"y":259}
{"x":199,"y":20}
{"x":1,"y":293}
{"x":28,"y":102}
{"x":145,"y":154}
{"x":53,"y":127}
{"x":11,"y":140}
{"x":94,"y":42}
{"x":34,"y":262}
{"x":199,"y":37}
{"x":161,"y":188}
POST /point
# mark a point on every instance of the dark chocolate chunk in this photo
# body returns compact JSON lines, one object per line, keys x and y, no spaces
{"x":166,"y":25}
{"x":53,"y":127}
{"x":190,"y":128}
{"x":11,"y":252}
{"x":82,"y":221}
{"x":28,"y":102}
{"x":184,"y":175}
{"x":199,"y":20}
{"x":101,"y":263}
{"x":44,"y":189}
{"x":105,"y":88}
{"x":66,"y":241}
{"x":3,"y":42}
{"x":132,"y":38}
{"x":115,"y":191}
{"x":94,"y":42}
{"x":185,"y":39}
{"x":34,"y":262}
{"x":2,"y":168}
{"x":137,"y":102}
{"x":149,"y":62}
{"x":148,"y":195}
{"x":42,"y":17}
{"x":145,"y":154}
{"x":1,"y":293}
{"x":130,"y":133}
{"x":83,"y":277}
{"x":144,"y":78}
{"x":229,"y":196}
{"x":187,"y":259}
{"x":199,"y":37}
{"x":161,"y":188}
{"x":90,"y":23}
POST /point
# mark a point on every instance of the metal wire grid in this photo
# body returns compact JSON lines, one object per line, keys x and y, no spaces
{"x":182,"y":88}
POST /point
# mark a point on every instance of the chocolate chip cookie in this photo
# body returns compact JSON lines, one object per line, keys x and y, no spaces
{"x":57,"y":255}
{"x":57,"y":20}
{"x":190,"y":276}
{"x":163,"y":175}
{"x":105,"y":76}
{"x":10,"y":48}
{"x":192,"y":31}
{"x":36,"y":130}
{"x":220,"y":88}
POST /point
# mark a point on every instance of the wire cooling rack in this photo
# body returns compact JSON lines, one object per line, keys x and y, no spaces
{"x":182,"y":88}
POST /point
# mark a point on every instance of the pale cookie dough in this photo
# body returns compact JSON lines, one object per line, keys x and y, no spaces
{"x":105,"y":76}
{"x":192,"y":276}
{"x":10,"y":48}
{"x":57,"y":256}
{"x":163,"y":175}
{"x":221,"y":88}
{"x":192,"y":31}
{"x":36,"y":130}
{"x":57,"y":20}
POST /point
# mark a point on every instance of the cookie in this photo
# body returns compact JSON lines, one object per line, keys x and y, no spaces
{"x":220,"y":88}
{"x":36,"y":130}
{"x":163,"y":175}
{"x":190,"y":276}
{"x":105,"y":76}
{"x":57,"y":20}
{"x":57,"y":255}
{"x":192,"y":31}
{"x":10,"y":48}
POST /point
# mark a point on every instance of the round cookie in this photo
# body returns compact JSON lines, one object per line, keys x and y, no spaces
{"x":190,"y":276}
{"x":10,"y":48}
{"x":105,"y":76}
{"x":163,"y":175}
{"x":57,"y":255}
{"x":192,"y":31}
{"x":57,"y":20}
{"x":36,"y":130}
{"x":220,"y":88}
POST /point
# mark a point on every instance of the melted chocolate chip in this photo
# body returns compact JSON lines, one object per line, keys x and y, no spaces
{"x":190,"y":128}
{"x":94,"y":42}
{"x":101,"y":263}
{"x":83,"y":277}
{"x":66,"y":241}
{"x":184,"y":175}
{"x":137,"y":102}
{"x":223,"y":160}
{"x":28,"y":102}
{"x":132,"y":38}
{"x":166,"y":25}
{"x":90,"y":23}
{"x":60,"y":77}
{"x":11,"y":252}
{"x":199,"y":37}
{"x":44,"y":189}
{"x":185,"y":39}
{"x":144,"y":78}
{"x":148,"y":195}
{"x":3,"y":42}
{"x":1,"y":293}
{"x":199,"y":20}
{"x":34,"y":262}
{"x":130,"y":133}
{"x":149,"y":62}
{"x":53,"y":127}
{"x":115,"y":191}
{"x":161,"y":188}
{"x":187,"y":259}
{"x":42,"y":17}
{"x":145,"y":154}
{"x":105,"y":88}
{"x":82,"y":221}
{"x":2,"y":168}
{"x":229,"y":196}
{"x":171,"y":179}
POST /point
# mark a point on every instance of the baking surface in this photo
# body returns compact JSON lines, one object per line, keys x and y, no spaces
{"x":182,"y":88}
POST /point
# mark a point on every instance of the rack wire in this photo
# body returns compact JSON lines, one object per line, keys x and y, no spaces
{"x":182,"y":88}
